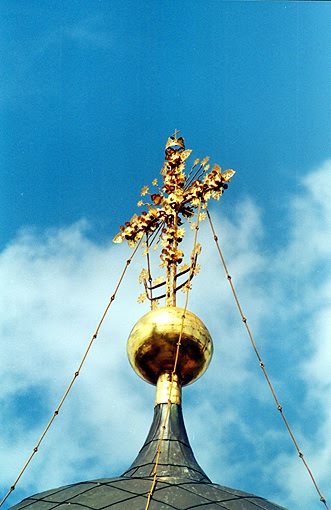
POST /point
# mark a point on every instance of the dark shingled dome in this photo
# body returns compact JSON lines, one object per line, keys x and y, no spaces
{"x":181,"y":483}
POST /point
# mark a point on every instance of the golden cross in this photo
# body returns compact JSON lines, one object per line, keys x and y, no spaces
{"x":180,"y":198}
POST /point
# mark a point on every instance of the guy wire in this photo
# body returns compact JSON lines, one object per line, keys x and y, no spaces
{"x":279,"y":406}
{"x":76,"y":374}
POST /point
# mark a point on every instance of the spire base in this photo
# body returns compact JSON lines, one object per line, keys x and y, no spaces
{"x":177,"y":461}
{"x":168,"y":388}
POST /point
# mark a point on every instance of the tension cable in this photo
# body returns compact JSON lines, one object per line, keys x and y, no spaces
{"x":76,"y":374}
{"x":279,"y":406}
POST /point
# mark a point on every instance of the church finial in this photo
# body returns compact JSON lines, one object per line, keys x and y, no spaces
{"x":170,"y":346}
{"x":180,"y":198}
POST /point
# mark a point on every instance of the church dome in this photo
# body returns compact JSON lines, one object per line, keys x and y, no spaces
{"x":181,"y":483}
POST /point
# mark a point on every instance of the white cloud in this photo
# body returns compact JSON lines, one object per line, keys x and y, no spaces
{"x":56,"y":285}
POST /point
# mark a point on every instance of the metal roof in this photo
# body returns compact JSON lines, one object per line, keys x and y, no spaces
{"x":181,"y":483}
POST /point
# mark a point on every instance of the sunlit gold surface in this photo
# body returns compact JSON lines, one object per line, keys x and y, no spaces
{"x":168,"y":390}
{"x":153,"y":341}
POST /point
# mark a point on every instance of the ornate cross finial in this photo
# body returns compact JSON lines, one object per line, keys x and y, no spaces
{"x":181,"y":197}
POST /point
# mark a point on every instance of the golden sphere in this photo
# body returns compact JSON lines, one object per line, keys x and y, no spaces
{"x":152,"y":345}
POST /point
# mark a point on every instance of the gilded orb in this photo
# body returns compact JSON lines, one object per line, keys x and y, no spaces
{"x":152,"y":345}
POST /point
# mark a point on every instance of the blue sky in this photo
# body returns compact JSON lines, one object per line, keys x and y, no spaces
{"x":89,"y":93}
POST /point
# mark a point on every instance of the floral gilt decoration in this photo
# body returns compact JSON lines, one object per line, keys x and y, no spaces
{"x":181,"y":197}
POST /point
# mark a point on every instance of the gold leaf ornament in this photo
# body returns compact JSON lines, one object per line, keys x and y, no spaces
{"x":204,"y":161}
{"x":228,"y":174}
{"x":185,"y":154}
{"x":159,"y":279}
{"x":143,"y":275}
{"x":197,"y":269}
{"x":216,"y":194}
{"x":144,"y":191}
{"x":141,"y":298}
{"x":118,"y":238}
{"x":155,"y":304}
